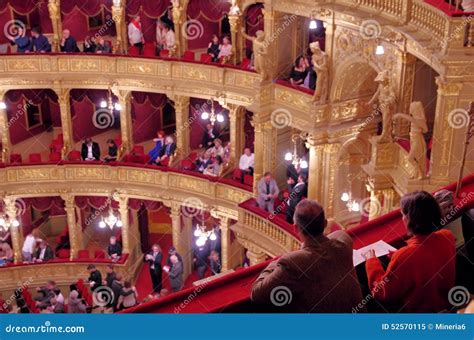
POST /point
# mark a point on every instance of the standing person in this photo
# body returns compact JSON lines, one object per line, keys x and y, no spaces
{"x":90,"y":150}
{"x":420,"y":275}
{"x":28,"y":247}
{"x":135,"y":33}
{"x":68,"y":44}
{"x":160,"y":36}
{"x":39,"y":43}
{"x":159,"y":142}
{"x":200,"y":255}
{"x":209,"y":136}
{"x":170,"y":39}
{"x":175,"y":274}
{"x":297,"y":192}
{"x":112,"y":154}
{"x":172,"y":251}
{"x":267,"y":192}
{"x":215,"y":262}
{"x":320,"y":277}
{"x":110,"y":277}
{"x":213,"y":48}
{"x":21,"y":40}
{"x":95,"y":277}
{"x":154,"y":258}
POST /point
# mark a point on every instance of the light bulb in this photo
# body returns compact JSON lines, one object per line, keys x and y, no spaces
{"x":379,"y":50}
{"x":201,"y":241}
{"x":118,"y":107}
{"x":304,"y":164}
{"x":220,"y":118}
{"x":313,"y":24}
{"x":213,"y":237}
{"x":3,"y":105}
{"x":15,"y":223}
{"x":102,"y":224}
{"x":345,"y":197}
{"x":355,"y":207}
{"x":197,"y":232}
{"x":288,"y":156}
{"x":103,"y":104}
{"x":119,"y":223}
{"x":205,"y":115}
{"x":2,"y":221}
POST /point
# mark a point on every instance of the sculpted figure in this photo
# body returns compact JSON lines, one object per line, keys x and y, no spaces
{"x":260,"y":49}
{"x":417,"y":154}
{"x":321,"y":66}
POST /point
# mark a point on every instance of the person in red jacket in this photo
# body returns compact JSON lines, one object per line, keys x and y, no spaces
{"x":419,"y":275}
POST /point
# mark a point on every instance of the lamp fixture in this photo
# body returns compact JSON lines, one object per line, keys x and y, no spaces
{"x":351,"y":204}
{"x":313,"y":24}
{"x":111,"y":221}
{"x":293,"y":157}
{"x":203,"y":235}
{"x":3,"y":105}
{"x":379,"y":50}
{"x":109,"y":103}
{"x":212,"y":116}
{"x":6,"y":222}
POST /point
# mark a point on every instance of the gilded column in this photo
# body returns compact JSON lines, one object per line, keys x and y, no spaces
{"x":235,"y":22}
{"x":66,"y":120}
{"x":256,"y":257}
{"x":330,"y":166}
{"x":118,"y":15}
{"x":265,"y":149}
{"x":123,"y":210}
{"x":124,"y":98}
{"x":316,"y":156}
{"x":183,"y":123}
{"x":375,"y":209}
{"x":237,"y":133}
{"x":5,"y":130}
{"x":179,"y":13}
{"x":390,"y":200}
{"x":11,"y":211}
{"x":407,"y":79}
{"x":225,"y":243}
{"x":54,"y":9}
{"x":75,"y":230}
{"x":176,"y":226}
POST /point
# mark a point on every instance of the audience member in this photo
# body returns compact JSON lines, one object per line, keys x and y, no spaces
{"x":225,"y":50}
{"x":214,"y":169}
{"x":68,"y":43}
{"x":90,"y":150}
{"x":114,"y":249}
{"x":55,"y":306}
{"x":175,"y":273}
{"x":29,"y":245}
{"x":299,"y":71}
{"x":215,"y":262}
{"x":44,"y":253}
{"x":200,"y":255}
{"x":172,"y":251}
{"x":167,"y":151}
{"x":217,"y":149}
{"x":112,"y":154}
{"x":154,"y":258}
{"x":246,"y":163}
{"x":95,"y":277}
{"x":267,"y":192}
{"x":128,"y":296}
{"x":110,"y":277}
{"x":117,"y":286}
{"x":6,"y":253}
{"x":89,"y":45}
{"x":296,"y":193}
{"x":170,"y":40}
{"x":209,"y":136}
{"x":420,"y":274}
{"x":21,"y":40}
{"x":102,"y":47}
{"x":135,"y":34}
{"x":159,"y":142}
{"x":203,"y":161}
{"x":59,"y":296}
{"x":320,"y":277}
{"x":4,"y":235}
{"x":39,"y":43}
{"x":213,"y":48}
{"x":311,"y":77}
{"x":20,"y":302}
{"x":46,"y":294}
{"x":227,"y":153}
{"x":75,"y":305}
{"x":160,"y":36}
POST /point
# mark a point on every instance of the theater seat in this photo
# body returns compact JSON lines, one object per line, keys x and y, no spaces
{"x":138,"y":149}
{"x":34,"y":158}
{"x":205,"y":58}
{"x":83,"y":254}
{"x":193,"y":156}
{"x":75,"y":155}
{"x":63,"y":253}
{"x":248,"y":180}
{"x":237,"y":174}
{"x":189,"y":55}
{"x":133,"y":51}
{"x":54,"y":157}
{"x":149,"y":50}
{"x":186,"y":164}
{"x":99,"y":254}
{"x":245,"y":65}
{"x":164,"y":53}
{"x":15,"y":158}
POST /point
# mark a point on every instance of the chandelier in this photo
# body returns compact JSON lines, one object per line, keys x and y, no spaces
{"x":111,"y":220}
{"x":296,"y":160}
{"x":6,"y":222}
{"x":212,"y":116}
{"x":351,"y":204}
{"x":234,"y":8}
{"x":203,"y":235}
{"x":109,"y":103}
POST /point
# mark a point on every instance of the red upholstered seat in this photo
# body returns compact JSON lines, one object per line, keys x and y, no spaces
{"x":133,"y":51}
{"x":187,"y":164}
{"x":54,"y":157}
{"x":74,"y":155}
{"x":99,"y":254}
{"x":63,"y":253}
{"x":237,"y":174}
{"x":245,"y":64}
{"x":193,"y":156}
{"x":149,"y":50}
{"x":34,"y":158}
{"x":15,"y":158}
{"x":83,"y":254}
{"x":164,"y":53}
{"x":80,"y":285}
{"x":205,"y":58}
{"x":138,"y":149}
{"x":248,"y":180}
{"x":56,"y":146}
{"x":165,"y":162}
{"x":189,"y":55}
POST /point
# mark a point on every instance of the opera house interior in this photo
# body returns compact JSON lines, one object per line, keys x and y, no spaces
{"x":213,"y":156}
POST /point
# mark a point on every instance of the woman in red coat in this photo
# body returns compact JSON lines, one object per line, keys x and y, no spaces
{"x":419,"y":275}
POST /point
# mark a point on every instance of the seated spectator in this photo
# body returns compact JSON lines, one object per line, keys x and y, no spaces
{"x":112,"y":154}
{"x":44,"y":253}
{"x":420,"y":275}
{"x":175,"y":273}
{"x":311,"y":76}
{"x":267,"y":192}
{"x":215,"y":262}
{"x":55,"y":306}
{"x":209,"y":136}
{"x":246,"y":163}
{"x":115,"y":249}
{"x":203,"y":161}
{"x":213,"y":48}
{"x":20,"y":302}
{"x":6,"y":253}
{"x":225,"y":50}
{"x":135,"y":34}
{"x":160,"y":36}
{"x":102,"y":47}
{"x":46,"y":294}
{"x":90,"y":150}
{"x":159,"y":142}
{"x":227,"y":153}
{"x":217,"y":149}
{"x":68,"y":44}
{"x":117,"y":286}
{"x":29,"y":245}
{"x":21,"y":40}
{"x":89,"y":45}
{"x":128,"y":296}
{"x":215,"y":168}
{"x":75,"y":305}
{"x":59,"y":296}
{"x":170,"y":41}
{"x":39,"y":43}
{"x":320,"y":277}
{"x":172,"y":251}
{"x":296,"y":191}
{"x":167,"y":151}
{"x":95,"y":277}
{"x":299,"y":71}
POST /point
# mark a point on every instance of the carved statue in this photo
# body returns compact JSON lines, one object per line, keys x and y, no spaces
{"x":53,"y":8}
{"x":321,"y":66}
{"x":260,"y":50}
{"x":385,"y":95}
{"x":176,"y":11}
{"x":417,"y":154}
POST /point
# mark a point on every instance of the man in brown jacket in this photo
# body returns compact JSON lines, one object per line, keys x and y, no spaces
{"x":318,"y":278}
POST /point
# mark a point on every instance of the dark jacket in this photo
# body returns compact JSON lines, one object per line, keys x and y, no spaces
{"x":40,"y":44}
{"x":89,"y":49}
{"x":95,"y":277}
{"x":157,"y":262}
{"x":202,"y":164}
{"x":70,"y":46}
{"x":105,"y":48}
{"x":48,"y":254}
{"x":22,"y":44}
{"x":95,"y":151}
{"x":207,"y":140}
{"x":176,"y":276}
{"x":110,"y":278}
{"x":297,"y":192}
{"x":168,"y":151}
{"x":114,"y":249}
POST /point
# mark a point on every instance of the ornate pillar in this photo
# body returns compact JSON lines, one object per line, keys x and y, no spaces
{"x":75,"y":230}
{"x":126,"y":131}
{"x":183,"y":123}
{"x":265,"y":150}
{"x":407,"y":79}
{"x":225,"y":243}
{"x":175,"y":213}
{"x":11,"y":211}
{"x":256,"y":256}
{"x":235,"y":21}
{"x":375,"y":209}
{"x":66,"y":120}
{"x":179,"y":13}
{"x":331,"y":152}
{"x":237,"y":133}
{"x":390,"y":200}
{"x":123,"y":210}
{"x":54,"y":9}
{"x":118,"y":15}
{"x":4,"y":130}
{"x":316,"y":156}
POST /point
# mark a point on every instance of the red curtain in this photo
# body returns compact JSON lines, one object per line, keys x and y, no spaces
{"x":45,"y":203}
{"x":96,"y":202}
{"x":249,"y":131}
{"x":149,"y":12}
{"x":147,"y":113}
{"x":136,"y":204}
{"x":198,"y":125}
{"x":253,"y":22}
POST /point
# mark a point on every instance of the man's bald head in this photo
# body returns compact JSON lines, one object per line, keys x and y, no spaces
{"x":309,"y":218}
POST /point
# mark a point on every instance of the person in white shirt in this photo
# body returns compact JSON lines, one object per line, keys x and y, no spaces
{"x":468,"y":5}
{"x":160,"y":36}
{"x":246,"y":163}
{"x":135,"y":34}
{"x":170,"y":40}
{"x":217,"y":149}
{"x":225,"y":50}
{"x":28,"y":247}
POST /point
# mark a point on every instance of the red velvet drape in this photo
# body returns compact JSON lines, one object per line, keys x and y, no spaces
{"x":198,"y":125}
{"x":149,"y":12}
{"x":96,"y":202}
{"x":147,"y":114}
